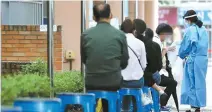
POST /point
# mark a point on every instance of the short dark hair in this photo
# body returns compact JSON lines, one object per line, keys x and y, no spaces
{"x":164,"y":28}
{"x":149,"y":33}
{"x":101,"y":10}
{"x":139,"y":25}
{"x":127,"y":26}
{"x":194,"y":19}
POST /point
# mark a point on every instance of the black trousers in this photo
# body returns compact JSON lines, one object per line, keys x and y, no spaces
{"x":170,"y":85}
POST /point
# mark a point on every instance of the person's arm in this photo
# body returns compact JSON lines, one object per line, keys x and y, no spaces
{"x":159,"y":56}
{"x":143,"y":59}
{"x":164,"y":51}
{"x":82,"y":52}
{"x":189,"y":39}
{"x":125,"y":55}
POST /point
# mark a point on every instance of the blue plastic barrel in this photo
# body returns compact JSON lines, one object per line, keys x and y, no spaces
{"x":10,"y":109}
{"x":38,"y":104}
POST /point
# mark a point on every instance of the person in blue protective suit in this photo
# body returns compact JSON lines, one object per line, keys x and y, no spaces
{"x":194,"y":49}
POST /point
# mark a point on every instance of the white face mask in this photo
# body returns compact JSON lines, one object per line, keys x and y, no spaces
{"x":169,"y":40}
{"x":186,"y":24}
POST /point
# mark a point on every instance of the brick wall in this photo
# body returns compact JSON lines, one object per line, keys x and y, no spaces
{"x":27,"y":43}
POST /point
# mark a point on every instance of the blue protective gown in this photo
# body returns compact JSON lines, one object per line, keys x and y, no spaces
{"x":194,"y":49}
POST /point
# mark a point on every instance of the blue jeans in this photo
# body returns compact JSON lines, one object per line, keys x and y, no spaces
{"x":127,"y":99}
{"x":133,"y":83}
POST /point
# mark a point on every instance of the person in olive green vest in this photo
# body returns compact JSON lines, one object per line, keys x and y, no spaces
{"x":104,"y":52}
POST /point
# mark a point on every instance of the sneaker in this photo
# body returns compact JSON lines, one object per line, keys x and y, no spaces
{"x":164,"y":108}
{"x":163,"y":99}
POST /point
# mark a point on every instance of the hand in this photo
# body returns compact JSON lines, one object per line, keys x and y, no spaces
{"x":164,"y":50}
{"x":173,"y":48}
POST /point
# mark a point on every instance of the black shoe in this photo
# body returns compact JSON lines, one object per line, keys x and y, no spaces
{"x":163,"y":99}
{"x":197,"y":109}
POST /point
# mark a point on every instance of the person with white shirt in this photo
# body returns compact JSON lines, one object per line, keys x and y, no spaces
{"x":154,"y":57}
{"x":165,"y":32}
{"x":133,"y":73}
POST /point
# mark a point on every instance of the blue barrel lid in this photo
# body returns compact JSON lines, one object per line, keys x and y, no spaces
{"x":79,"y":94}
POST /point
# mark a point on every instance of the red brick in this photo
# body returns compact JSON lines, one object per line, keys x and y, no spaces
{"x":58,"y":46}
{"x":24,"y":32}
{"x":6,"y":27}
{"x":31,"y":37}
{"x":6,"y":37}
{"x":42,"y":45}
{"x":6,"y":45}
{"x":6,"y":54}
{"x":45,"y":58}
{"x":34,"y":58}
{"x":18,"y":54}
{"x":45,"y":41}
{"x":23,"y":58}
{"x":24,"y":41}
{"x":58,"y":59}
{"x":30,"y":45}
{"x":3,"y":32}
{"x":57,"y":37}
{"x":32,"y":54}
{"x":24,"y":49}
{"x":28,"y":28}
{"x":3,"y":42}
{"x":57,"y":33}
{"x":42,"y":37}
{"x":41,"y":49}
{"x":58,"y":65}
{"x":58,"y":50}
{"x":12,"y":49}
{"x":12,"y":32}
{"x":43,"y":54}
{"x":18,"y":37}
{"x":12,"y":41}
{"x":33,"y":28}
{"x":58,"y":42}
{"x":4,"y":59}
{"x":57,"y":54}
{"x":38,"y":33}
{"x":18,"y":45}
{"x":11,"y":58}
{"x":2,"y":27}
{"x":37,"y":41}
{"x":37,"y":28}
{"x":3,"y":49}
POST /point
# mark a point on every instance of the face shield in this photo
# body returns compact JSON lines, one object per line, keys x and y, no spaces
{"x":186,"y":23}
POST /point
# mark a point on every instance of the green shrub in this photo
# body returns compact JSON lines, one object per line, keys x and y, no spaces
{"x":39,"y":66}
{"x":35,"y":85}
{"x":66,"y":81}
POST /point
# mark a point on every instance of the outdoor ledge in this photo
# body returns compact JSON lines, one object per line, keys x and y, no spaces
{"x":28,"y":27}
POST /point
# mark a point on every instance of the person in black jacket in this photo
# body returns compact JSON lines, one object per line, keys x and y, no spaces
{"x":154,"y":57}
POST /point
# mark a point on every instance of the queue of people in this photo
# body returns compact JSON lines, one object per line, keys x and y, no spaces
{"x":133,"y":57}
